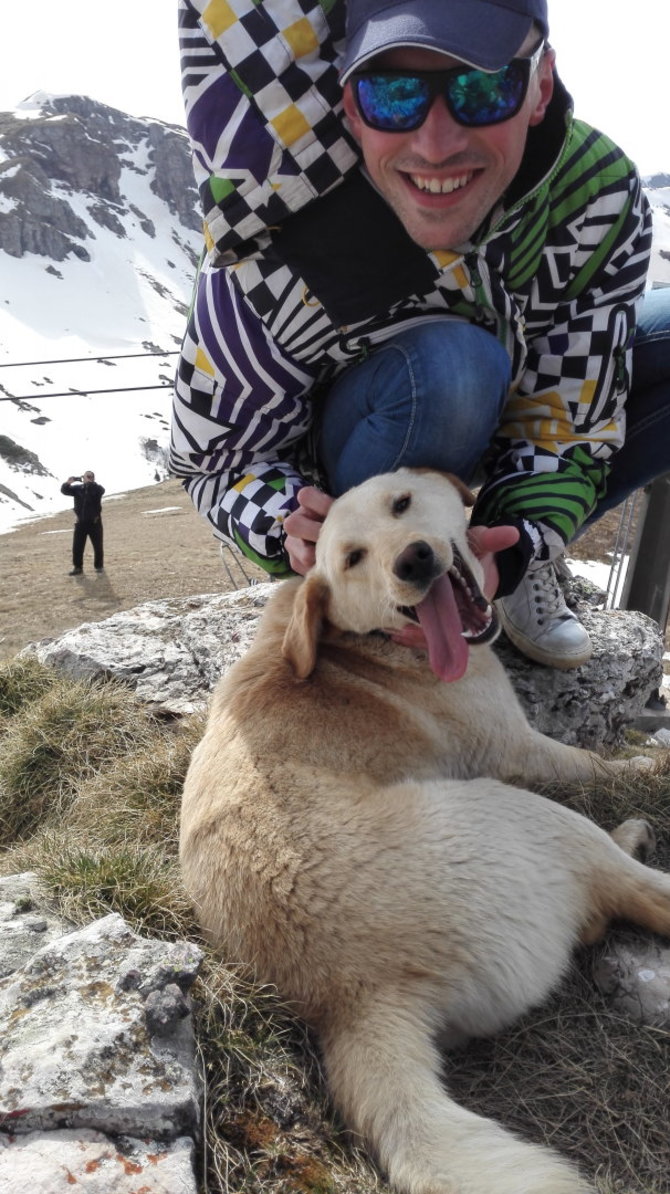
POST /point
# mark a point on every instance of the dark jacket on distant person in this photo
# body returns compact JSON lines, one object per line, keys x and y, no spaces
{"x":87,"y":499}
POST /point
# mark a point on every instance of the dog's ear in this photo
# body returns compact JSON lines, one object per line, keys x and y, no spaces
{"x":304,"y":629}
{"x":466,"y":494}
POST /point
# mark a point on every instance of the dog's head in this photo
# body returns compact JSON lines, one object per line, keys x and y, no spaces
{"x":392,"y":552}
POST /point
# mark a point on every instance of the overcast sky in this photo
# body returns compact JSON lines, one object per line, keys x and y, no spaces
{"x":125,"y":54}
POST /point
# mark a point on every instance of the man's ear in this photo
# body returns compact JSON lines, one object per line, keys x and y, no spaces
{"x":351,"y":111}
{"x":545,"y":78}
{"x":304,"y":629}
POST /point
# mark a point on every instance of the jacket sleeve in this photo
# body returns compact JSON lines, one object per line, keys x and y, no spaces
{"x":564,"y":421}
{"x":240,"y":410}
{"x":263,"y":111}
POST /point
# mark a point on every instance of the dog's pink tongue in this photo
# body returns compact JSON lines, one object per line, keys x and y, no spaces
{"x":441,"y":623}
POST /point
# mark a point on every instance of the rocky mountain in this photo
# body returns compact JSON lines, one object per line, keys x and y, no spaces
{"x":56,"y":147}
{"x":99,"y":238}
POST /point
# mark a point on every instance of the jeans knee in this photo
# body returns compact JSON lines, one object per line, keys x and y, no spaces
{"x":653,"y":316}
{"x":430,"y":396}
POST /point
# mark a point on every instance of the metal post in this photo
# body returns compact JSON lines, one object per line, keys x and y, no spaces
{"x":647,"y":586}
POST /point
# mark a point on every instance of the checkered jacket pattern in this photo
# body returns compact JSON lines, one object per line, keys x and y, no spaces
{"x":555,"y":275}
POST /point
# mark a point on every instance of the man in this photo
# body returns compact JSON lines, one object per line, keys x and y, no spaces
{"x":438,"y":266}
{"x":87,"y":496}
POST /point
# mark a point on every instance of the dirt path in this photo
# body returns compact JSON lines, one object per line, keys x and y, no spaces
{"x":155,"y":546}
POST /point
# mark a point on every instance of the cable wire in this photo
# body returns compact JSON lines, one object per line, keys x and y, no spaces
{"x":79,"y":393}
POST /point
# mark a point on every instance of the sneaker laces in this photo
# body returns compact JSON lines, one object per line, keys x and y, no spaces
{"x":547,"y":594}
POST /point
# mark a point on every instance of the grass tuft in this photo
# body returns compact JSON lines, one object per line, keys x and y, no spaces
{"x":23,"y":681}
{"x":55,"y":743}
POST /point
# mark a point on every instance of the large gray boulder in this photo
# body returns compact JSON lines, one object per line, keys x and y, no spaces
{"x":172,"y":652}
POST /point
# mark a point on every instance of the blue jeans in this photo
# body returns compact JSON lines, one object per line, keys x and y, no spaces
{"x":429,"y":397}
{"x":432,"y":396}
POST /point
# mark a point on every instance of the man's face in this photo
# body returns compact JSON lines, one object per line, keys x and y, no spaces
{"x":443,"y":179}
{"x":89,"y":476}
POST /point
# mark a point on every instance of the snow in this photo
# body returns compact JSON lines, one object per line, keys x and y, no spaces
{"x":660,"y":210}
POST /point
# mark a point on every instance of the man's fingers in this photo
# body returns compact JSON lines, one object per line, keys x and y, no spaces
{"x":300,"y":553}
{"x":484,"y":540}
{"x":314,"y":501}
{"x":302,"y":525}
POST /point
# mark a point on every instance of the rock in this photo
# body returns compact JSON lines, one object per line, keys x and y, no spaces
{"x":98,"y":1081}
{"x":23,"y":925}
{"x":172,"y":652}
{"x":72,"y":146}
{"x":54,"y":1162}
{"x":591,"y":706}
{"x":79,"y":1047}
{"x":635,"y":978}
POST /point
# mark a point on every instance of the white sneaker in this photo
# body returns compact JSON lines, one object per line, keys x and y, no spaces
{"x":537,"y":620}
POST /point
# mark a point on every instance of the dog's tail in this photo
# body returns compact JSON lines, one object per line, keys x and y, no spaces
{"x":384,"y":1071}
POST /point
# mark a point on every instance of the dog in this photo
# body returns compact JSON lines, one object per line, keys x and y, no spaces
{"x":349,"y":828}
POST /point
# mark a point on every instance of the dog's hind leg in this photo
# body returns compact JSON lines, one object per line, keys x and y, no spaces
{"x":624,"y":889}
{"x":384,"y":1071}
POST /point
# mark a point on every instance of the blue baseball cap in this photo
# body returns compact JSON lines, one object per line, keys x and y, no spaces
{"x":484,"y":33}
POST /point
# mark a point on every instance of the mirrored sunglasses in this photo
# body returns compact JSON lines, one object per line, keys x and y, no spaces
{"x":398,"y":101}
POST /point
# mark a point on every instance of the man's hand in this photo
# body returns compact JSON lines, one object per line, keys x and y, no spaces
{"x":485,"y":542}
{"x":303,"y":526}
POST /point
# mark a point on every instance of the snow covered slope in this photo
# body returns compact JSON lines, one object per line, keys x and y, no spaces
{"x":99,"y":232}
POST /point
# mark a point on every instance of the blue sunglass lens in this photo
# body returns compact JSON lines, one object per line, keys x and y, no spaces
{"x":393,"y":103}
{"x":476,"y":98}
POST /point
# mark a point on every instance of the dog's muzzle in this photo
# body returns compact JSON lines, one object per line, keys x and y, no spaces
{"x":418,"y":565}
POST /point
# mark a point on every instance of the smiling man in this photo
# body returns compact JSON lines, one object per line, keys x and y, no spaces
{"x":442,"y":177}
{"x":416,"y":256}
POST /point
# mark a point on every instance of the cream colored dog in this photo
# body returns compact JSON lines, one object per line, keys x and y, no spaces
{"x":345,"y":831}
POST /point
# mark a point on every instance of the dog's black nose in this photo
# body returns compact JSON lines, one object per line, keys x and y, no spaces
{"x":416,"y":563}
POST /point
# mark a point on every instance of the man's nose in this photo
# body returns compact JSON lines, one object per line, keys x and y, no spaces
{"x":440,"y":135}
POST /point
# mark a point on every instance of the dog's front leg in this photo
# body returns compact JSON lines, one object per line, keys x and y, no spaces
{"x":542,"y":760}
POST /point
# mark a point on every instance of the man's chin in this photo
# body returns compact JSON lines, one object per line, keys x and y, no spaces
{"x":437,"y":231}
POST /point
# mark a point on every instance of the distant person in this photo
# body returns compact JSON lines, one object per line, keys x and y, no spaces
{"x":87,"y":496}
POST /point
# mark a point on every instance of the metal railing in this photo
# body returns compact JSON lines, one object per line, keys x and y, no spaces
{"x":647,"y":584}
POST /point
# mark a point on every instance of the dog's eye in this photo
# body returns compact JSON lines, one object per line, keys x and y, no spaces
{"x":353,"y":558}
{"x":401,"y":504}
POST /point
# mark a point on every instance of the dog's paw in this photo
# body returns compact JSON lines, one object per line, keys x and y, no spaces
{"x":641,"y":762}
{"x":636,"y":837}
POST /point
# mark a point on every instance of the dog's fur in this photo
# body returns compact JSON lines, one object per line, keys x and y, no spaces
{"x":345,"y":830}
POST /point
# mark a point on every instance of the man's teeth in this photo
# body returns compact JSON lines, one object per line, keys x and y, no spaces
{"x":440,"y":186}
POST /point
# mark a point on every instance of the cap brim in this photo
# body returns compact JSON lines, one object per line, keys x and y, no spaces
{"x":483,"y":35}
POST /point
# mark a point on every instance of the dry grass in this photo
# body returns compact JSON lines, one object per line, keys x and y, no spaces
{"x":102,"y":834}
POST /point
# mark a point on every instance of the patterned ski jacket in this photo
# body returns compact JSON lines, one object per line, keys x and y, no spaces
{"x":291,"y":290}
